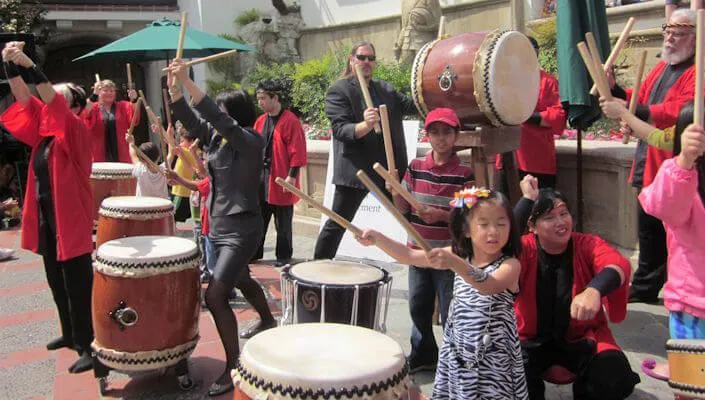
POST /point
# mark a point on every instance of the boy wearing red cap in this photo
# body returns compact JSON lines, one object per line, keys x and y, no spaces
{"x":432,"y":180}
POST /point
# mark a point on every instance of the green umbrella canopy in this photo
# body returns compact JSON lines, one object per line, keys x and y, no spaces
{"x":158,"y":41}
{"x":575,"y":18}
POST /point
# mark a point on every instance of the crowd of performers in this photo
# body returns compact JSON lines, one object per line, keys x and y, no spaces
{"x":520,"y":292}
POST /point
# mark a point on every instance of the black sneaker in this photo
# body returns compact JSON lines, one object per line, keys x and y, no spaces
{"x":416,"y":366}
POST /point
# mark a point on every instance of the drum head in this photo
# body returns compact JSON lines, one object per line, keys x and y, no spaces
{"x":321,"y":357}
{"x":328,"y":272}
{"x":111,"y":168}
{"x":139,"y":256}
{"x":134,"y":203}
{"x":506,"y":75}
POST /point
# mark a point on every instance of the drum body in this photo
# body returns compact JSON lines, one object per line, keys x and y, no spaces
{"x":686,"y":364}
{"x":111,"y":179}
{"x":145,"y":302}
{"x":124,"y":216}
{"x":335,"y":291}
{"x":307,"y":361}
{"x":486,"y":77}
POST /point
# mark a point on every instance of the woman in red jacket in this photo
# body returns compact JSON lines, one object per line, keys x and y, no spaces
{"x":108,"y":121}
{"x":56,"y":218}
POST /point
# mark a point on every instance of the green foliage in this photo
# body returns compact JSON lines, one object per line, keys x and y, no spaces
{"x":399,"y":75}
{"x":545,"y":35}
{"x":228,"y":66}
{"x":21,"y":16}
{"x":311,"y":81}
{"x":248,"y":16}
{"x":283,"y":72}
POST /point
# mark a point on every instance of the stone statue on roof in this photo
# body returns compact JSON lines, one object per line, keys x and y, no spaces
{"x":419,"y":25}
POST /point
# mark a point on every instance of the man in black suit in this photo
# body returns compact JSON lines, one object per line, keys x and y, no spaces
{"x":355,"y":144}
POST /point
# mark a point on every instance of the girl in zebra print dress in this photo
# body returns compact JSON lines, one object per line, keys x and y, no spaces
{"x":480,"y":357}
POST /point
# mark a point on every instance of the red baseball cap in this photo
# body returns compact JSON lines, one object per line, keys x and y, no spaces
{"x":442,"y":114}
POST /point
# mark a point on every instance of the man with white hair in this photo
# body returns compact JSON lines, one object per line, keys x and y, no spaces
{"x":669,"y":85}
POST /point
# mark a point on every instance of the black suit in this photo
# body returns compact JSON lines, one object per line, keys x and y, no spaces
{"x":345,"y":107}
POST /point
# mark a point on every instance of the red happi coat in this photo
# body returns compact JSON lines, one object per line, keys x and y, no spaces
{"x":69,"y":173}
{"x":288,"y":150}
{"x":123,"y":117}
{"x":663,"y":114}
{"x":590,"y":255}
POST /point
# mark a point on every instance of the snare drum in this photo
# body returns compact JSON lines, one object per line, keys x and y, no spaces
{"x":124,"y":216}
{"x":145,"y":302}
{"x":686,"y":364}
{"x":336,"y":291}
{"x":111,"y":179}
{"x":314,"y":361}
{"x":486,"y":77}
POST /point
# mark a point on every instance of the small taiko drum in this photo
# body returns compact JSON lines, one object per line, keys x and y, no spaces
{"x":145,"y":302}
{"x":124,"y":216}
{"x":336,"y":291}
{"x":686,"y":364}
{"x":321,"y":361}
{"x":111,"y":179}
{"x":486,"y":77}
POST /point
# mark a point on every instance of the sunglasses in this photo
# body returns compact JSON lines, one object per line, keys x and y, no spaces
{"x":363,"y":57}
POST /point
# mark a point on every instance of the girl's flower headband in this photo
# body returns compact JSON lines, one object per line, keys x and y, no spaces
{"x":469,"y":197}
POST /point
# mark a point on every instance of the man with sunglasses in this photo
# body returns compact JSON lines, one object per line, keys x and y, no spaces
{"x":669,"y":85}
{"x":355,"y":144}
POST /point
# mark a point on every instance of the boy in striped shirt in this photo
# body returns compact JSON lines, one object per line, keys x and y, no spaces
{"x":432,"y":180}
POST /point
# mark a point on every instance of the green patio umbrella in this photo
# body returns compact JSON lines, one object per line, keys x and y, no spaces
{"x":158,"y":41}
{"x":574,"y":19}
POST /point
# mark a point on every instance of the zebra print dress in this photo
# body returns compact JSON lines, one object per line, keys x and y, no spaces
{"x":480,"y":357}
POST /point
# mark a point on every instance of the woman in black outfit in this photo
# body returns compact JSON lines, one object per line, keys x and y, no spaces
{"x":234,"y":164}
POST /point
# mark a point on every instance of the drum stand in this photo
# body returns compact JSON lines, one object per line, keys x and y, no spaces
{"x":183,"y":378}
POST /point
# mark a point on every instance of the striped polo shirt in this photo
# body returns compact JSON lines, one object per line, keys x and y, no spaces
{"x":434,"y":185}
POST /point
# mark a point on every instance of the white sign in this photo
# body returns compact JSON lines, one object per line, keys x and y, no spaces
{"x":371,"y":214}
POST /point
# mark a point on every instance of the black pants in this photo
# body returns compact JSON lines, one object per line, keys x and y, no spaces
{"x":424,"y":285}
{"x":650,"y":274}
{"x":283,"y":217}
{"x":71,"y":284}
{"x":605,"y":376}
{"x":346,"y":201}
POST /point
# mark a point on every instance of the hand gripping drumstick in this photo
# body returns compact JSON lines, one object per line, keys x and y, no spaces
{"x":635,"y":93}
{"x":698,"y":100}
{"x":387,"y":135}
{"x":320,"y":207}
{"x":599,"y":72}
{"x":207,"y":59}
{"x":397,"y":186}
{"x":365,"y":91}
{"x":616,"y":49}
{"x":362,"y":176}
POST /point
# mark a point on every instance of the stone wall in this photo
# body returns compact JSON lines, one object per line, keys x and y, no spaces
{"x":609,"y":202}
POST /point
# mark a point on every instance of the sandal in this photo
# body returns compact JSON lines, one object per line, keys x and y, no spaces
{"x":654,"y":370}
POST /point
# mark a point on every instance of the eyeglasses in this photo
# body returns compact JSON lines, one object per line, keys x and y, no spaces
{"x":363,"y":57}
{"x":676,"y":34}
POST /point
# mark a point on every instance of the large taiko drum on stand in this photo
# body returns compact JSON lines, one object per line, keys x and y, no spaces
{"x":145,"y":302}
{"x":124,"y":216}
{"x":486,"y":77}
{"x":336,"y":291}
{"x":111,"y":179}
{"x":686,"y":364}
{"x":321,"y":361}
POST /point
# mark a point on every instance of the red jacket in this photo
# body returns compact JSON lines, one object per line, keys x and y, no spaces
{"x":288,"y":150}
{"x":69,"y":172}
{"x":123,"y":117}
{"x":537,"y":149}
{"x":590,"y":255}
{"x":663,"y":114}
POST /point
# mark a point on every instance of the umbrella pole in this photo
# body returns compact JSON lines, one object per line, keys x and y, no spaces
{"x":579,"y":168}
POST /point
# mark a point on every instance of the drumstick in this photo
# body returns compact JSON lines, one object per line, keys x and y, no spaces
{"x":599,"y":72}
{"x":589,"y":64}
{"x":129,"y":76}
{"x":700,"y":31}
{"x":616,"y":49}
{"x":97,"y":78}
{"x":151,"y":166}
{"x":441,"y":26}
{"x":365,"y":91}
{"x":167,"y":111}
{"x":153,"y":119}
{"x":387,"y":136}
{"x":398,"y":187}
{"x":180,"y":45}
{"x":362,"y":176}
{"x":133,"y":122}
{"x":207,"y":59}
{"x":320,"y":207}
{"x":635,"y":92}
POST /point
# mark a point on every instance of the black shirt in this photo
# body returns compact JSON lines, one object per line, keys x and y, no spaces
{"x":268,"y":132}
{"x":42,"y":186}
{"x":111,"y":149}
{"x":554,"y":285}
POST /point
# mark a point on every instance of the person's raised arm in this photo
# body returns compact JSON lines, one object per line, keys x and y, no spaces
{"x":131,"y":141}
{"x":17,"y":84}
{"x":616,"y":109}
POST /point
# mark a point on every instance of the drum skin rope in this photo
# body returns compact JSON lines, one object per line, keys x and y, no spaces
{"x":144,"y":360}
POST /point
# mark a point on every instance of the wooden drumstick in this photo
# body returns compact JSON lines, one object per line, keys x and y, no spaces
{"x":441,"y":26}
{"x":207,"y":59}
{"x":151,"y":165}
{"x":362,"y":176}
{"x":387,"y":136}
{"x":698,"y":100}
{"x":180,"y":45}
{"x":396,"y":186}
{"x":133,"y":122}
{"x":320,"y":207}
{"x":365,"y":91}
{"x":589,"y":64}
{"x":167,"y":111}
{"x":129,"y":76}
{"x":97,"y":78}
{"x":635,"y":92}
{"x":616,"y":49}
{"x":599,"y":72}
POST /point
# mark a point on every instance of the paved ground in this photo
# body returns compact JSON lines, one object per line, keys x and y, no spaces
{"x":28,"y":321}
